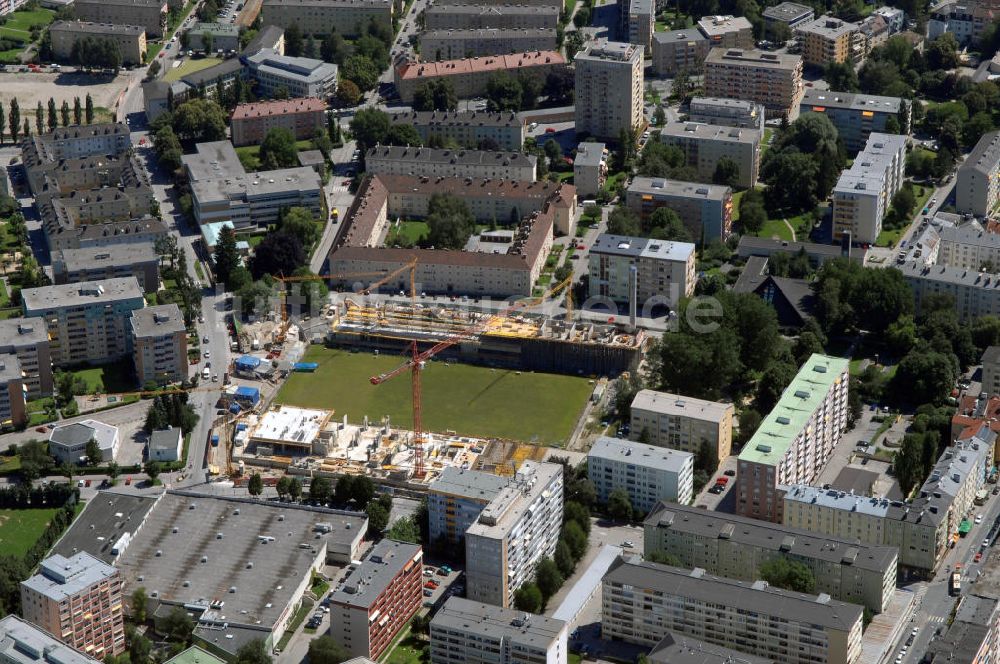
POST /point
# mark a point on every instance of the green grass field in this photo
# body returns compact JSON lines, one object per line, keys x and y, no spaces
{"x":250,"y":154}
{"x":472,"y":400}
{"x":18,"y":24}
{"x":414,"y":231}
{"x":108,"y":377}
{"x":20,"y":528}
{"x":190,"y":66}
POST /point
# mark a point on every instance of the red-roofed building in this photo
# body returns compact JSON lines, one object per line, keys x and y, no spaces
{"x":470,"y":76}
{"x":972,"y":413}
{"x":251,"y":122}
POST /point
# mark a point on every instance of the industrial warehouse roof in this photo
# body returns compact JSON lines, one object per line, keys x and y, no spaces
{"x":23,"y":643}
{"x":639,"y":454}
{"x":470,"y":484}
{"x":103,"y":522}
{"x":387,"y":560}
{"x":496,"y":624}
{"x":797,"y":403}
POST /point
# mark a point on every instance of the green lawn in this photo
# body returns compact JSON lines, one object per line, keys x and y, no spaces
{"x":766,"y":143}
{"x":9,"y":464}
{"x":20,"y":528}
{"x":410,"y":650}
{"x":889,"y":238}
{"x":611,"y":184}
{"x":115,"y":377}
{"x":413,"y":231}
{"x":190,"y":66}
{"x":18,"y":24}
{"x":250,"y":154}
{"x":471,"y":400}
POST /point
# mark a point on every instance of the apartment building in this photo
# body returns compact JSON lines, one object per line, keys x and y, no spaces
{"x":968,"y":246}
{"x":642,"y":602}
{"x":499,"y":556}
{"x":150,"y":15}
{"x":222,"y":190}
{"x":78,"y":141}
{"x":138,"y":260}
{"x":590,"y":168}
{"x":727,"y":31}
{"x":645,"y":272}
{"x":971,"y":636}
{"x":23,"y":643}
{"x":855,"y":115}
{"x":524,"y":16}
{"x":349,"y":18}
{"x":991,"y":370}
{"x":470,"y":129}
{"x":130,"y":39}
{"x":456,"y":499}
{"x":470,"y":76}
{"x":873,"y":32}
{"x":378,"y":599}
{"x":706,"y":209}
{"x":736,"y":547}
{"x":704,"y":145}
{"x":795,"y":439}
{"x":863,"y":194}
{"x":159,"y":345}
{"x":648,"y":473}
{"x":431,"y":162}
{"x":727,"y":113}
{"x":79,"y":601}
{"x":976,"y":410}
{"x":771,"y":79}
{"x":467,"y":632}
{"x":679,"y":50}
{"x":68,"y":442}
{"x":682,"y":423}
{"x":977,"y":185}
{"x":791,"y":14}
{"x":609,"y":89}
{"x":829,"y":39}
{"x":894,"y":17}
{"x":13,"y":393}
{"x":682,"y":649}
{"x":975,"y":293}
{"x":86,"y":321}
{"x":296,"y":77}
{"x":454,"y":44}
{"x":132,"y":231}
{"x":27,"y":340}
{"x":214,"y":37}
{"x":639,"y":22}
{"x":303,"y":117}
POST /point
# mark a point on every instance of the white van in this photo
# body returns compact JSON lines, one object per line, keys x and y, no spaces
{"x":589,"y":201}
{"x":205,"y":373}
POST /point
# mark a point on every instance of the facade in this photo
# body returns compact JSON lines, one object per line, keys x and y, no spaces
{"x":795,"y":439}
{"x":855,"y":115}
{"x":498,"y":558}
{"x":863,"y":193}
{"x":771,"y":79}
{"x":991,"y":371}
{"x":641,"y":271}
{"x":467,"y":128}
{"x":23,"y":643}
{"x":131,"y":39}
{"x":590,"y":168}
{"x":87,"y":321}
{"x":736,"y":547}
{"x":166,"y":445}
{"x":727,"y":31}
{"x":648,"y":473}
{"x":642,"y":602}
{"x":640,"y":22}
{"x":27,"y":340}
{"x":378,"y":599}
{"x":682,"y":423}
{"x":829,"y":39}
{"x":679,"y":50}
{"x":68,"y":442}
{"x":467,"y":632}
{"x":13,"y":392}
{"x":975,"y":294}
{"x":431,"y":162}
{"x":321,"y":17}
{"x":78,"y":141}
{"x":524,"y":16}
{"x":706,"y":209}
{"x":977,"y":185}
{"x":159,"y":345}
{"x":681,"y":649}
{"x":298,"y":77}
{"x":303,"y":117}
{"x":220,"y":37}
{"x":456,"y":499}
{"x":704,"y":145}
{"x":150,"y":15}
{"x":138,"y":260}
{"x":894,"y":17}
{"x":80,"y":600}
{"x":469,"y":76}
{"x":791,"y":14}
{"x":454,"y":44}
{"x":609,"y":89}
{"x":222,"y":190}
{"x":969,"y":247}
{"x":727,"y":113}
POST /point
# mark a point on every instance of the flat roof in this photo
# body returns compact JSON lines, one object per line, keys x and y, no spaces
{"x":676,"y":648}
{"x":486,"y":33}
{"x":217,"y":174}
{"x":104,"y":520}
{"x":84,"y":293}
{"x":678,"y":189}
{"x":288,"y":425}
{"x":87,"y":258}
{"x":479,"y":65}
{"x":91,"y":27}
{"x":10,"y":368}
{"x":753,"y":58}
{"x":384,"y":562}
{"x":819,"y":612}
{"x":79,"y":433}
{"x":60,"y":578}
{"x":194,"y":655}
{"x":23,"y":643}
{"x":679,"y":36}
{"x":458,"y":119}
{"x":261,"y":109}
{"x":828,"y":27}
{"x":849,"y":101}
{"x":469,"y":484}
{"x":798,"y":402}
{"x":589,"y":153}
{"x":531,"y":479}
{"x":638,"y":247}
{"x":716,"y":26}
{"x":709,"y":132}
{"x":310,"y":70}
{"x":787,"y":11}
{"x":667,"y":403}
{"x":495,"y":624}
{"x":640,"y":454}
{"x":609,"y":50}
{"x":223,"y":29}
{"x":17,"y":332}
{"x":405,"y":153}
{"x":158,"y":321}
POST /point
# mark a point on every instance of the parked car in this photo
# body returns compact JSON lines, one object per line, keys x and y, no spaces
{"x":730,"y":473}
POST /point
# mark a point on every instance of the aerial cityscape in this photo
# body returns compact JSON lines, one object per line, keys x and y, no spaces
{"x":499,"y":332}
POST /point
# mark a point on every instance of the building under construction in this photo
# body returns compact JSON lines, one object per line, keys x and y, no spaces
{"x":519,"y":341}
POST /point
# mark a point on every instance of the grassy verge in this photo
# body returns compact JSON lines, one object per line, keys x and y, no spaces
{"x":297,"y":619}
{"x":19,"y":529}
{"x":115,"y":377}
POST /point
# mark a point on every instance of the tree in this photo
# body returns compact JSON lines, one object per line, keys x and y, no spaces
{"x":227,"y":257}
{"x":15,"y":119}
{"x":361,"y":70}
{"x":727,"y":172}
{"x":406,"y":529}
{"x":293,"y":41}
{"x":178,"y":625}
{"x":348,"y":93}
{"x":77,"y":111}
{"x":139,"y":603}
{"x":564,"y":558}
{"x":378,"y":518}
{"x":320,"y":490}
{"x":325,"y":650}
{"x":282,"y":486}
{"x":93,"y":452}
{"x":299,"y":222}
{"x":449,"y":221}
{"x":789,"y":574}
{"x":280,"y":252}
{"x":369,"y":127}
{"x":152,"y":469}
{"x":139,"y":649}
{"x":199,"y":120}
{"x":624,"y":221}
{"x":664,"y":224}
{"x":254,"y":652}
{"x":924,"y":376}
{"x":774,"y":381}
{"x":420,"y":624}
{"x":753,"y":216}
{"x":255,"y":485}
{"x":114,"y":470}
{"x":841,"y":77}
{"x":334,"y":49}
{"x":207,"y":41}
{"x":295,"y":488}
{"x":88,"y":109}
{"x":528,"y":598}
{"x":435,"y":96}
{"x":548,"y":578}
{"x":504,"y":92}
{"x":278,"y":149}
{"x":52,"y":116}
{"x":620,"y":506}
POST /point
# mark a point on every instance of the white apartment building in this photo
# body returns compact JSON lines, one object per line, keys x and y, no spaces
{"x":431,"y":162}
{"x":795,"y":439}
{"x":977,"y":185}
{"x":590,"y":168}
{"x":863,"y":194}
{"x":642,"y":602}
{"x":682,"y":423}
{"x":725,"y":112}
{"x":518,"y":528}
{"x":456,"y":499}
{"x":609,"y":89}
{"x":298,"y":77}
{"x":467,"y":632}
{"x":727,"y":31}
{"x":651,"y":272}
{"x":648,"y":473}
{"x":969,"y":247}
{"x":704,"y":145}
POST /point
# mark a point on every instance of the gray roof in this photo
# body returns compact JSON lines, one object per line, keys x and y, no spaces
{"x":371,"y":578}
{"x":471,"y":484}
{"x":709,"y":132}
{"x":89,"y":27}
{"x":224,"y":69}
{"x":510,"y":504}
{"x":102,"y":523}
{"x":222,"y":29}
{"x":679,"y":189}
{"x":753,"y":275}
{"x":787,"y":11}
{"x":17,"y":332}
{"x":72,"y":434}
{"x":589,"y":153}
{"x":487,"y":33}
{"x":639,"y":454}
{"x":677,"y":36}
{"x":496,"y":10}
{"x":227,"y":637}
{"x":638,"y":247}
{"x":850,"y":100}
{"x":217,"y":175}
{"x":157,"y":321}
{"x":60,"y":578}
{"x":970,"y":234}
{"x":986,"y":155}
{"x":457,"y":118}
{"x":166,"y":440}
{"x":311,"y":157}
{"x":857,"y":481}
{"x":116,"y":254}
{"x":965,"y":637}
{"x":721,"y":25}
{"x":148,"y":224}
{"x":405,"y":153}
{"x":828,"y":27}
{"x":268,"y":37}
{"x":754,"y":58}
{"x":494,"y":624}
{"x":10,"y":368}
{"x":609,"y":50}
{"x":677,"y":404}
{"x":749,"y":245}
{"x":774,"y":537}
{"x":956,"y":276}
{"x":81,"y":294}
{"x":23,"y":643}
{"x":85,"y":131}
{"x":819,"y":612}
{"x":991,"y":355}
{"x":308,"y":70}
{"x":678,"y":648}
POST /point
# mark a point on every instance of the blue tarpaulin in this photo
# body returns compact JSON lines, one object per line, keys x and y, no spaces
{"x":234,"y":408}
{"x":249,"y":395}
{"x":305,"y":366}
{"x":247,"y":363}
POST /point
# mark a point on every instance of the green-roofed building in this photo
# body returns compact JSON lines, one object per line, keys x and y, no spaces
{"x":195,"y":655}
{"x":795,"y":439}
